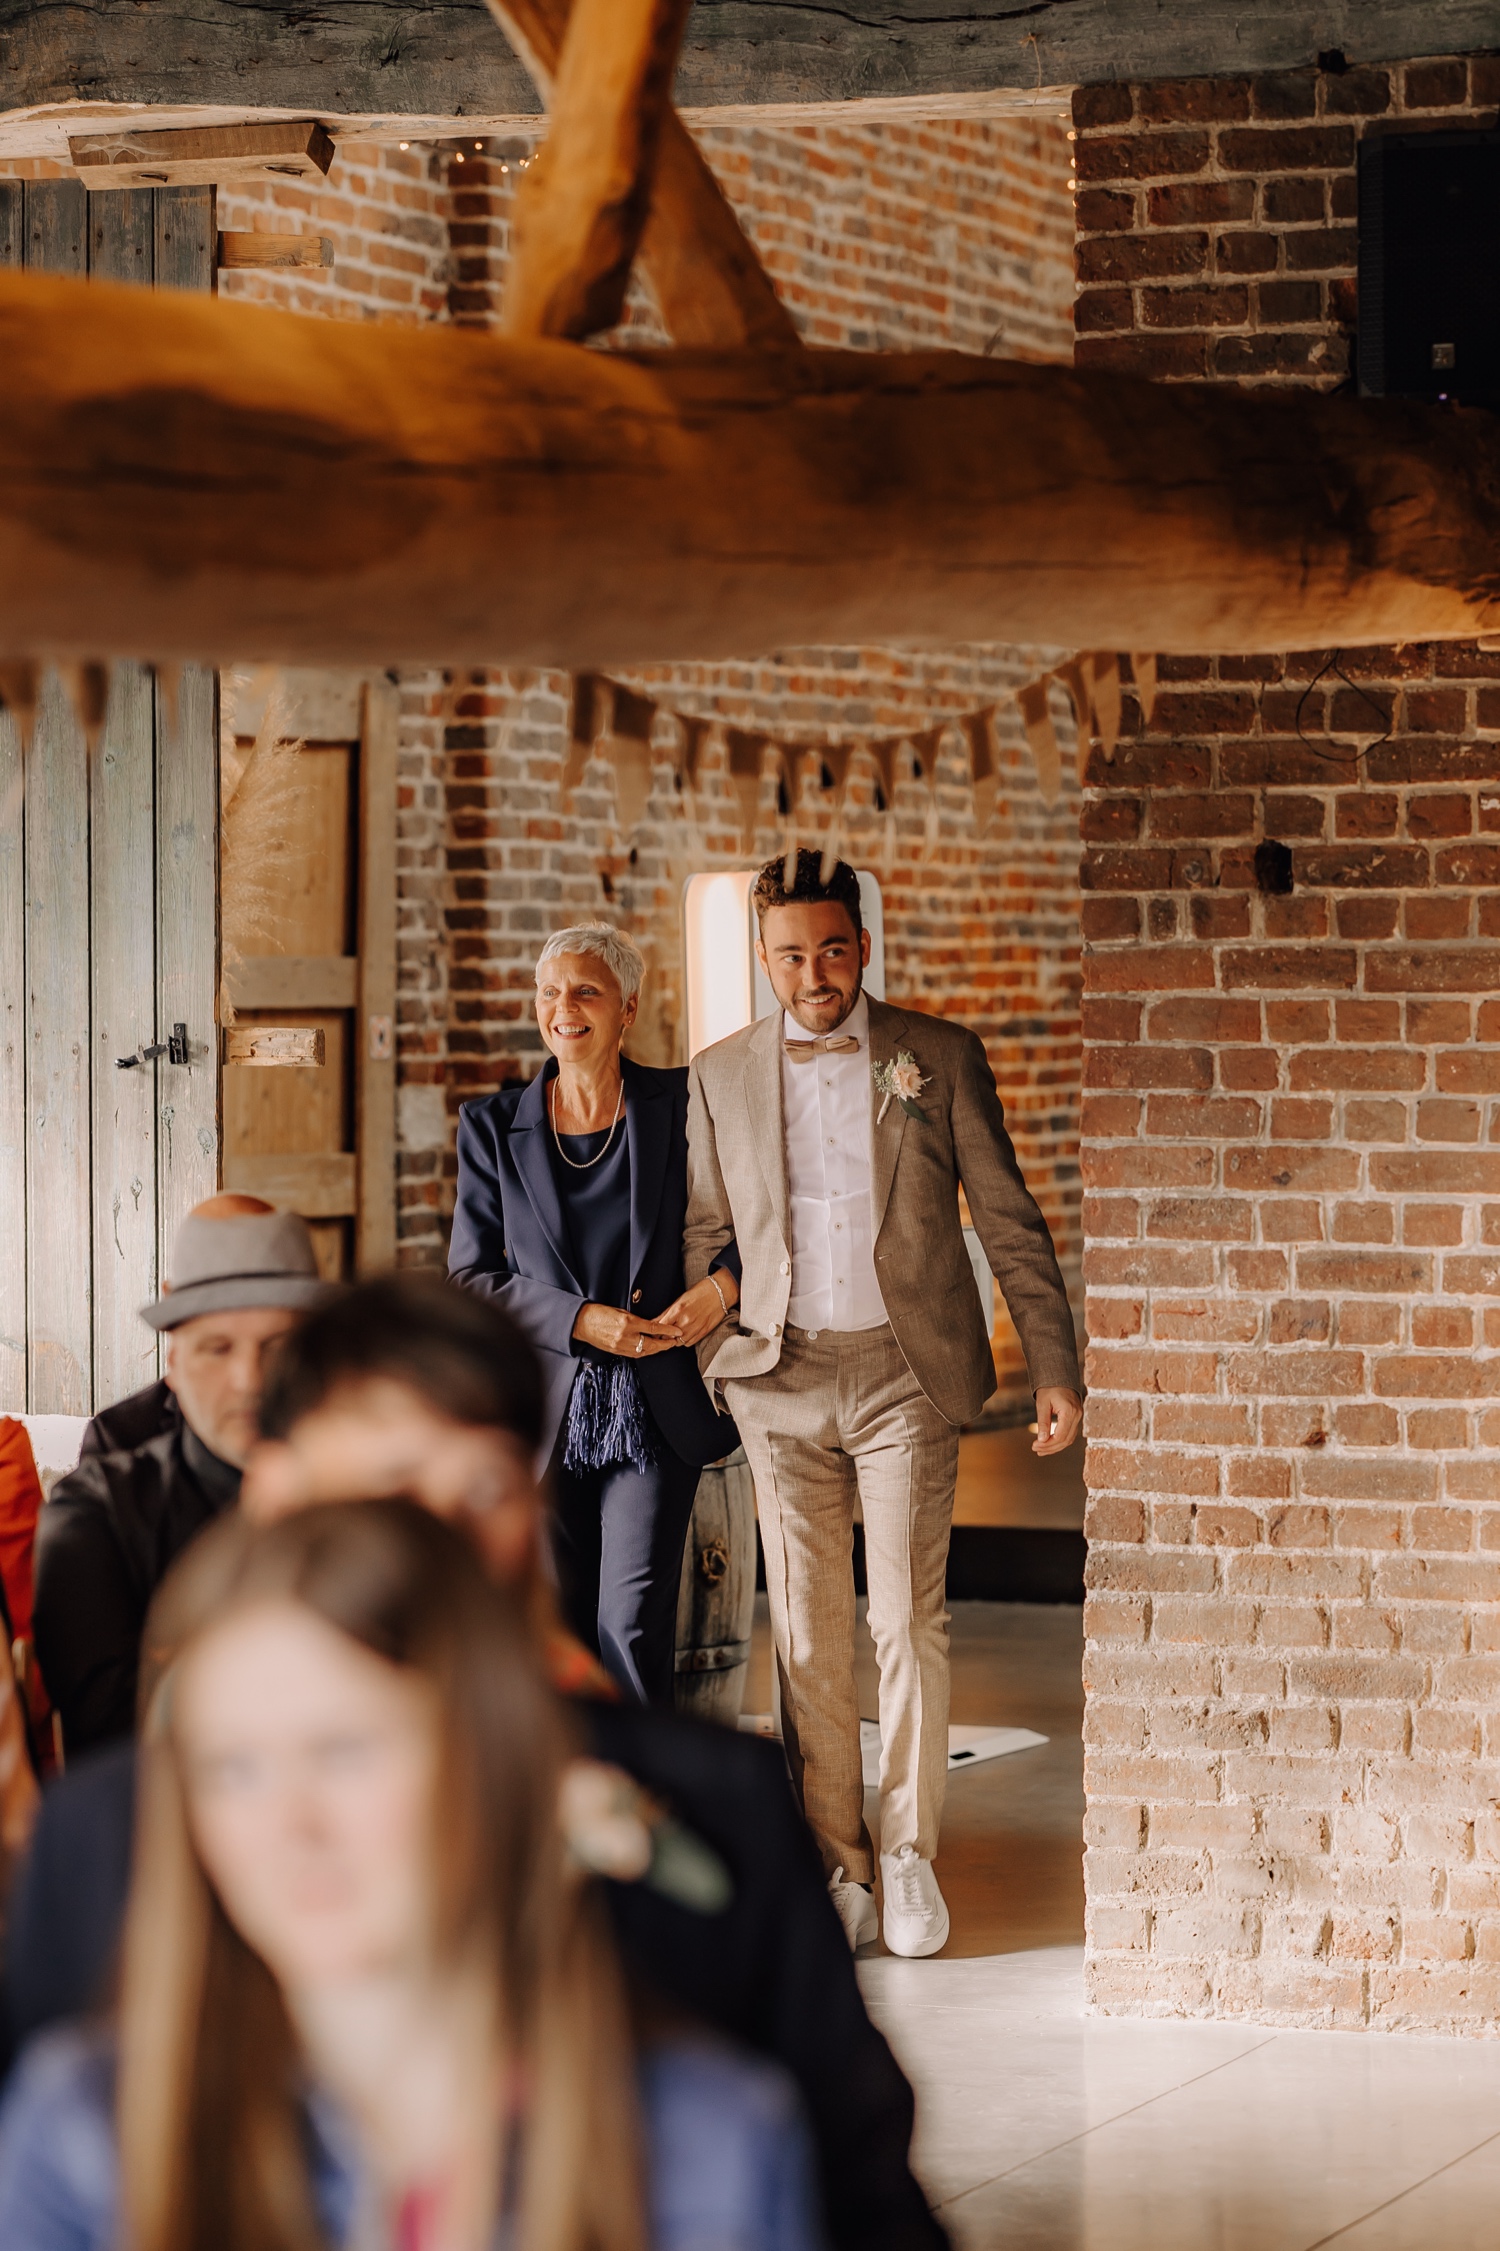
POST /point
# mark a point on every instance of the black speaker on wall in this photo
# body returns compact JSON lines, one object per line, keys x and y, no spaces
{"x":1429,"y":267}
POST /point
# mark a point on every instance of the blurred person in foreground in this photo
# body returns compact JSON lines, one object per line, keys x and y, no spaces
{"x":239,"y":1275}
{"x":408,"y":1386}
{"x":572,"y":1191}
{"x":370,"y":1997}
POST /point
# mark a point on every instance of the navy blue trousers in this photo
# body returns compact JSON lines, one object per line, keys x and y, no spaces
{"x":617,"y":1541}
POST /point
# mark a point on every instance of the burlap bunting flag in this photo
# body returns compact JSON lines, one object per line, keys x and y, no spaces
{"x":746,"y":758}
{"x":984,"y":765}
{"x":1107,"y":704}
{"x":613,"y":721}
{"x":1037,"y":721}
{"x":1144,"y":670}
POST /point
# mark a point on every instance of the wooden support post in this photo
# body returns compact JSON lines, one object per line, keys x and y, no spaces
{"x":375,"y":1018}
{"x":580,"y":209}
{"x":708,"y":282}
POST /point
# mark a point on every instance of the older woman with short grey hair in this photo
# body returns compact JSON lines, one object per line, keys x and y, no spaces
{"x":572,"y":1191}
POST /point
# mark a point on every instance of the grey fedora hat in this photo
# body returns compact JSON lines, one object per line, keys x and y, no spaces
{"x":224,"y":1265}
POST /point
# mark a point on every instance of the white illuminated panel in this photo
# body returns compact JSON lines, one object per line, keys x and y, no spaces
{"x":726,"y":986}
{"x":717,"y":959}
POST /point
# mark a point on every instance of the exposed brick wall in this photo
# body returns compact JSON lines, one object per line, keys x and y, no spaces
{"x":1216,"y":217}
{"x":385,"y":210}
{"x":1290,"y":1153}
{"x":955,"y":234}
{"x":951,"y":234}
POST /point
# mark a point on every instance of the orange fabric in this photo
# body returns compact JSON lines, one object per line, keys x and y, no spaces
{"x":572,"y":1670}
{"x":20,"y":1506}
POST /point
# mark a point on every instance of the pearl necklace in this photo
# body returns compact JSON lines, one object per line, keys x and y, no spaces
{"x":587,"y":1163}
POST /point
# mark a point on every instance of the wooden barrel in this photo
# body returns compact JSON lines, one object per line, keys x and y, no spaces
{"x":716,"y":1600}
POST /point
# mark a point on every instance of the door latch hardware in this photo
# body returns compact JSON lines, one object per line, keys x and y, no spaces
{"x":174,"y":1049}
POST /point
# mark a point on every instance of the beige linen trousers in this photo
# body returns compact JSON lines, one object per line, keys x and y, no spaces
{"x":874,"y":1412}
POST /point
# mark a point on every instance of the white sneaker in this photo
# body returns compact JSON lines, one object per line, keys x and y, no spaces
{"x":855,"y":1905}
{"x":916,"y":1916}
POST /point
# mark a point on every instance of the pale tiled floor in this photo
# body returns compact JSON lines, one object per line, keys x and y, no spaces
{"x":1042,"y":2129}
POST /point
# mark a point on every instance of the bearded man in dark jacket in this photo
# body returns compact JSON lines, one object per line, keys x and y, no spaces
{"x":240,"y":1274}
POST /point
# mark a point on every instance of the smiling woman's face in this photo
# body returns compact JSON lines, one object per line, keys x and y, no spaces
{"x":311,"y":1770}
{"x":579,"y":1007}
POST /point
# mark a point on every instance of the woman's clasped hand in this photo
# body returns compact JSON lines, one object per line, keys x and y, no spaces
{"x":608,"y":1329}
{"x":686,"y":1321}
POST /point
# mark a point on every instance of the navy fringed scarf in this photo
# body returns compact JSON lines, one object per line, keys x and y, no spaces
{"x":607,"y":1419}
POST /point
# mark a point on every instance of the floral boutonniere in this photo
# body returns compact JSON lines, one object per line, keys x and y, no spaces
{"x":899,"y":1081}
{"x":612,"y":1827}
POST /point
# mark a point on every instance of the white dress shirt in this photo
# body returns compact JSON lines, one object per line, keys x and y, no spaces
{"x":826,"y":1105}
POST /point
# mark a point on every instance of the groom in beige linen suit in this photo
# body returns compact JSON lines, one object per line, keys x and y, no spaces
{"x":828,"y":1143}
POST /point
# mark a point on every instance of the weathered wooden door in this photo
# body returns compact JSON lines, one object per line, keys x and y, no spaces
{"x":108,"y":931}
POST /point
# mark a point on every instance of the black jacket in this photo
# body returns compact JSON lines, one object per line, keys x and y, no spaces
{"x":773,"y":1970}
{"x":510,"y":1242}
{"x":104,"y":1543}
{"x":147,"y":1414}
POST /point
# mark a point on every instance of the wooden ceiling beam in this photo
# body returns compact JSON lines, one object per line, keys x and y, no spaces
{"x":579,"y":210}
{"x":183,"y":478}
{"x":708,"y":282}
{"x":384,"y":65}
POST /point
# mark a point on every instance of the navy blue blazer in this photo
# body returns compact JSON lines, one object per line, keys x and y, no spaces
{"x":511,"y":1242}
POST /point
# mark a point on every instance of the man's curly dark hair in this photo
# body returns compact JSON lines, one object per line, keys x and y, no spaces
{"x":807,"y":887}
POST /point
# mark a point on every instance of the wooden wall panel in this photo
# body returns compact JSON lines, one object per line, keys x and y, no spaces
{"x":123,"y":846}
{"x":122,"y":236}
{"x":58,"y":1232}
{"x":12,"y":221}
{"x":12,"y":1075}
{"x":187,"y":947}
{"x":56,"y":229}
{"x":186,"y":238}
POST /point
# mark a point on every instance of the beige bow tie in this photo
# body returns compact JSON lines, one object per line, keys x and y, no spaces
{"x":803,"y":1051}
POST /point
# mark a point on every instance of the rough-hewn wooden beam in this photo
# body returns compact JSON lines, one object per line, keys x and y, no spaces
{"x":386,"y":61}
{"x":579,"y":211}
{"x":709,"y":284}
{"x":182,"y":478}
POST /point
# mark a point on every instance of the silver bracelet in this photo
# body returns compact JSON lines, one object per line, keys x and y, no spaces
{"x":719,"y":1294}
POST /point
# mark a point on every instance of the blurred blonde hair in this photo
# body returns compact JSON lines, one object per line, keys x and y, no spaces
{"x":212,"y":2140}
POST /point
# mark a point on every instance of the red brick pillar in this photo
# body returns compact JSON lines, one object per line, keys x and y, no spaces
{"x":1292,"y":1165}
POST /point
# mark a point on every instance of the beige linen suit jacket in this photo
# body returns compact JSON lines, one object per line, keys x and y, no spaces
{"x":737,"y":1191}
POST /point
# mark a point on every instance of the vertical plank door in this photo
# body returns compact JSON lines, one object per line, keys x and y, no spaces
{"x":12,"y":986}
{"x":122,"y":834}
{"x":187,"y":944}
{"x":59,"y":1253}
{"x":108,"y":929}
{"x":12,"y":1070}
